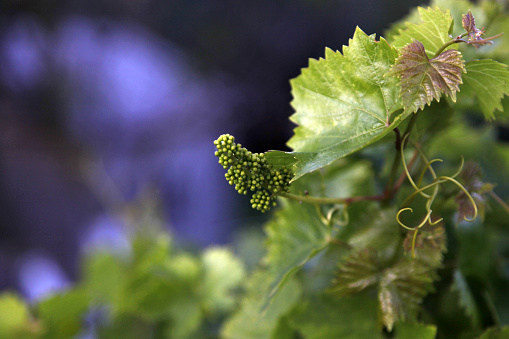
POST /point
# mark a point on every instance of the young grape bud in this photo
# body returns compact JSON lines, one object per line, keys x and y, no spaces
{"x":251,"y":171}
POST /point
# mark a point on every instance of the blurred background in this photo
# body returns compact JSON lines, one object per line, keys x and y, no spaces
{"x":109,"y":105}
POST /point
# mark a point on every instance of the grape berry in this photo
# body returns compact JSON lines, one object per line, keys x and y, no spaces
{"x":251,"y":172}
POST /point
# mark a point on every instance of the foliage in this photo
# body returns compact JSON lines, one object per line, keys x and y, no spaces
{"x":383,"y":230}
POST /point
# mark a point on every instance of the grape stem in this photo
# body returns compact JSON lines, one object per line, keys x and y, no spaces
{"x":328,"y":200}
{"x":499,"y":200}
{"x":391,"y":188}
{"x":459,"y":39}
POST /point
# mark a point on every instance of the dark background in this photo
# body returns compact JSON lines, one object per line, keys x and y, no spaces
{"x":106,"y":103}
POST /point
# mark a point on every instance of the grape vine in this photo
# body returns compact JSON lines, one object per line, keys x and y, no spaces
{"x":391,"y":218}
{"x":345,"y":103}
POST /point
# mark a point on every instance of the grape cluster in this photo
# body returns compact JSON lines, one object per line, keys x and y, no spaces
{"x":251,"y":172}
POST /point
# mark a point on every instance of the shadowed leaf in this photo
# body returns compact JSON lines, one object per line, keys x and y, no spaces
{"x":471,"y":177}
{"x":357,"y":272}
{"x":327,"y":317}
{"x":466,"y":298}
{"x":403,"y":286}
{"x":255,"y":321}
{"x":401,"y":290}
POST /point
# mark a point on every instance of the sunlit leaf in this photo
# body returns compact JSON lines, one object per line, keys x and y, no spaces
{"x":14,"y":316}
{"x":488,"y":81}
{"x":432,"y":31}
{"x":334,"y":119}
{"x":423,"y":80}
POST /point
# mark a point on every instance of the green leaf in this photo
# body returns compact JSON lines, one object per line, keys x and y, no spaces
{"x":377,"y":230}
{"x":430,"y":244}
{"x":466,"y":298}
{"x":298,"y":232}
{"x":407,"y":330}
{"x":433,"y":30}
{"x":357,"y":272}
{"x":295,"y":235}
{"x":104,"y":274}
{"x":326,"y":317}
{"x":153,"y":290}
{"x":401,"y":290}
{"x":343,"y":102}
{"x":488,"y":81}
{"x":403,"y":286}
{"x":279,"y":159}
{"x":186,"y":317}
{"x":125,"y":327}
{"x":63,"y":314}
{"x":496,"y":333}
{"x":253,"y":321}
{"x":14,"y":318}
{"x":423,"y":80}
{"x":222,"y":274}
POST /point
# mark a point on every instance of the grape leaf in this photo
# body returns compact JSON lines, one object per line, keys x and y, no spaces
{"x":406,"y":330}
{"x":403,"y":286}
{"x":357,"y":272}
{"x":125,"y":327}
{"x":378,"y":230}
{"x":401,"y":290}
{"x":433,"y":30}
{"x":496,"y":333}
{"x":63,"y":314}
{"x":326,"y":317}
{"x":488,"y":81}
{"x":15,"y":317}
{"x":474,"y":34}
{"x":466,"y":298}
{"x":343,"y":102}
{"x":423,"y":79}
{"x":298,"y":232}
{"x":430,"y":244}
{"x":295,"y":235}
{"x":251,"y":321}
{"x":223,"y":273}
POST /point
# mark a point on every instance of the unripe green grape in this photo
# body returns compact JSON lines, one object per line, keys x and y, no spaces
{"x":251,"y":172}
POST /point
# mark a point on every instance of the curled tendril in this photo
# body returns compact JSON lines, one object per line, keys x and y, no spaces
{"x":430,"y":197}
{"x":468,"y":196}
{"x":329,"y":219}
{"x":342,"y":220}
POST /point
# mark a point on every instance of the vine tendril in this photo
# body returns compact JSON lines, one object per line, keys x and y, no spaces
{"x":430,"y":197}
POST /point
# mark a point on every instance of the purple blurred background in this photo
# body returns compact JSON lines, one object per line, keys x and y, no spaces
{"x":104,"y":101}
